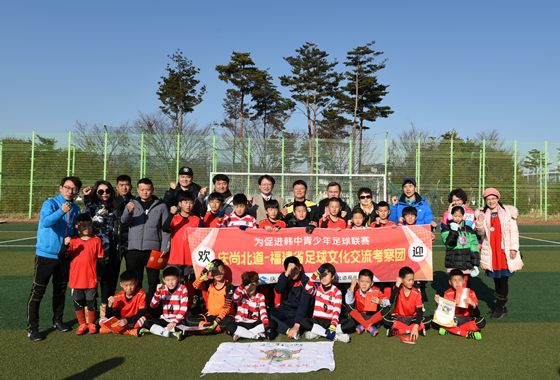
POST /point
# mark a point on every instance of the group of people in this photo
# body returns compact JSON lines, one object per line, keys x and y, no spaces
{"x":84,"y":251}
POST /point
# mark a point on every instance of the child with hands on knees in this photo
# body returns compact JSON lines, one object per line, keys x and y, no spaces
{"x":251,"y":320}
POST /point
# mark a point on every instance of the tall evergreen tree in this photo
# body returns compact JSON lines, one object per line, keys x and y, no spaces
{"x":178,"y":90}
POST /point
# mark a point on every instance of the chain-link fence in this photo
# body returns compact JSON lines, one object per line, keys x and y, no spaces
{"x":526,"y":174}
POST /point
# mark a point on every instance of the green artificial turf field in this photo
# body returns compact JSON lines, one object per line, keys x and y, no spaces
{"x":524,"y":344}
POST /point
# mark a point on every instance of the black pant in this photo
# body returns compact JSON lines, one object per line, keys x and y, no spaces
{"x":502,"y":286}
{"x":44,"y":269}
{"x":110,"y":279}
{"x":137,"y":261}
{"x":285,"y":318}
{"x":160,"y":322}
{"x":390,"y":318}
{"x":195,"y":320}
{"x":346,"y":325}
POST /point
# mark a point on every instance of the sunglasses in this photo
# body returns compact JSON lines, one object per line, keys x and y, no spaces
{"x":101,"y":192}
{"x":365,"y":196}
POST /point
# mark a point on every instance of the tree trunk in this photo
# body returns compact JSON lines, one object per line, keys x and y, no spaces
{"x":360,"y":152}
{"x":241,"y":133}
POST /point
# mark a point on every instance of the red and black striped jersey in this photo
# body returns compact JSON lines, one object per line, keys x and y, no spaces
{"x":175,"y":304}
{"x":327,"y":301}
{"x":234,"y":221}
{"x":406,"y":306}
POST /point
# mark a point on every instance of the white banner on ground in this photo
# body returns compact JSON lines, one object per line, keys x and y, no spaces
{"x":260,"y":357}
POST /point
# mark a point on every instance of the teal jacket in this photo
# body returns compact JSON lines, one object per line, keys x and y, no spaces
{"x":54,"y":226}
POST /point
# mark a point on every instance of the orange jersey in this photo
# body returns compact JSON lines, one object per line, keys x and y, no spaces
{"x":129,"y":307}
{"x":267,"y":222}
{"x":364,"y":304}
{"x":461,"y":311}
{"x":83,"y":267}
{"x":180,"y":253}
{"x":406,"y":306}
{"x":211,"y":220}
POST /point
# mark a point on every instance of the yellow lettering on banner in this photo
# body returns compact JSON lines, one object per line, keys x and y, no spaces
{"x":389,"y":255}
{"x":224,"y":256}
{"x":400,"y":254}
{"x":355,"y":256}
{"x":321,"y":257}
{"x":234,"y":258}
{"x":332,"y":257}
{"x":378,"y":255}
{"x":259,"y":258}
{"x":300,"y":255}
{"x":276,"y":257}
{"x":345,"y":257}
{"x":309,"y":257}
{"x":366,"y":256}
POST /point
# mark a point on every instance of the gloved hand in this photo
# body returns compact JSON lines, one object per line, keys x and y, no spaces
{"x":206,"y":270}
{"x":245,"y":283}
{"x":221,"y":214}
{"x":319,"y":271}
{"x":309,"y":229}
{"x":454,"y":226}
{"x":269,"y":333}
{"x":475,"y":272}
{"x":211,"y":328}
{"x":242,"y":228}
{"x":331,"y":332}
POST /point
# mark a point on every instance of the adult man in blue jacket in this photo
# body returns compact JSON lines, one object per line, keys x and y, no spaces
{"x":57,"y":221}
{"x":410,"y":197}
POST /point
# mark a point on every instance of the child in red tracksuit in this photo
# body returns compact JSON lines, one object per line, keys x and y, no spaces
{"x":370,"y":304}
{"x":333,"y":219}
{"x":86,"y":267}
{"x":468,"y":320}
{"x":326,"y":310}
{"x":251,"y":320}
{"x":129,"y":306}
{"x":272,"y":222}
{"x":214,"y":217}
{"x":383,"y":212}
{"x":408,"y":315}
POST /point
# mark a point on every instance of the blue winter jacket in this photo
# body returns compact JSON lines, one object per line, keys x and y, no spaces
{"x":54,"y":226}
{"x":425,"y":215}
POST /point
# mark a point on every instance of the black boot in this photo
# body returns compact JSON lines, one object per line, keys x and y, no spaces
{"x":500,"y":310}
{"x":490,"y":312}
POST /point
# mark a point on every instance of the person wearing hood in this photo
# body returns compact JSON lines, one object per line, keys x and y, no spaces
{"x":410,"y":197}
{"x":185,"y":184}
{"x":145,"y":216}
{"x":499,"y":255}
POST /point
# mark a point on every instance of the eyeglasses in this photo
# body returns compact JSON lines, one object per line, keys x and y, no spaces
{"x":72,"y":189}
{"x":367,"y":196}
{"x":101,"y":192}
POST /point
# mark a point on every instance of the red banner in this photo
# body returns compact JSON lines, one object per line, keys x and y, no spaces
{"x":382,"y":250}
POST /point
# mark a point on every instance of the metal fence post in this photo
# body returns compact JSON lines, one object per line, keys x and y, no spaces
{"x":178,"y":154}
{"x":69,"y":153}
{"x":73,"y":158}
{"x":1,"y":148}
{"x":283,"y":168}
{"x":31,"y":177}
{"x":105,"y":155}
{"x":546,"y":181}
{"x":214,"y":152}
{"x":418,"y":162}
{"x":515,"y":174}
{"x":540,"y":184}
{"x":451,"y":165}
{"x":316,"y":169}
{"x":479,"y":178}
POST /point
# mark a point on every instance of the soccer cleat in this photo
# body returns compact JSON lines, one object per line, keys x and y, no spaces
{"x":422,"y":332}
{"x":82,"y":329}
{"x":476,"y":335}
{"x":92,"y":328}
{"x":311,"y":335}
{"x":372,"y":331}
{"x":142,"y":331}
{"x":34,"y":335}
{"x":236,"y":338}
{"x":60,"y":327}
{"x":443,"y":331}
{"x":392,"y":332}
{"x":260,"y":336}
{"x":103,"y":330}
{"x":298,"y":336}
{"x":180,"y":335}
{"x":360,"y":329}
{"x":133,"y":332}
{"x":344,"y":338}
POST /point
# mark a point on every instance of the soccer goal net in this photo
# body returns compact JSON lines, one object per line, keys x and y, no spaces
{"x":247,"y":183}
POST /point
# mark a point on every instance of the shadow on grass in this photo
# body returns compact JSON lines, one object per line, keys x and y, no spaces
{"x":97,"y":370}
{"x":72,"y":324}
{"x":483,"y":292}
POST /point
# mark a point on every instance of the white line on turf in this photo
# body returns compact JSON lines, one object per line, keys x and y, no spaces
{"x":10,"y":241}
{"x":546,"y":241}
{"x":33,"y":246}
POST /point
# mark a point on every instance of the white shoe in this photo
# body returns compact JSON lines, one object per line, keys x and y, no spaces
{"x":344,"y":338}
{"x":310,"y":335}
{"x":236,"y":338}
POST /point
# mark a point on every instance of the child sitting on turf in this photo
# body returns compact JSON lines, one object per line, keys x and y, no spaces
{"x":368,"y":299}
{"x":383,"y":212}
{"x":240,"y":218}
{"x":326,"y":312}
{"x":468,"y":320}
{"x":300,"y":218}
{"x":86,"y":267}
{"x":408,"y":315}
{"x":175,"y":298}
{"x":214,"y":217}
{"x":333,"y":220}
{"x":251,"y":320}
{"x":272,"y":222}
{"x":219,"y":303}
{"x":128,"y":306}
{"x":460,"y":242}
{"x":358,"y":219}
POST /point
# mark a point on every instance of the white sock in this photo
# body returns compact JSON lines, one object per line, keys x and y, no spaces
{"x":244,"y":333}
{"x":319,"y":330}
{"x":338,"y":329}
{"x":257,"y":329}
{"x":158,"y":330}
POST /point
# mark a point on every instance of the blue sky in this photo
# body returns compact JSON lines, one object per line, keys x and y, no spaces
{"x":471,"y":66}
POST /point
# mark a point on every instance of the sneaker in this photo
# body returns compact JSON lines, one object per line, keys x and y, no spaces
{"x":298,"y":336}
{"x":142,"y":331}
{"x":34,"y":335}
{"x":236,"y":338}
{"x":180,"y":335}
{"x":92,"y":328}
{"x":82,"y":329}
{"x":422,"y":332}
{"x":360,"y":329}
{"x":311,"y":335}
{"x":443,"y":331}
{"x":133,"y":332}
{"x":474,"y":335}
{"x":60,"y":327}
{"x":344,"y":338}
{"x":103,"y":330}
{"x":392,"y":332}
{"x":261,"y":336}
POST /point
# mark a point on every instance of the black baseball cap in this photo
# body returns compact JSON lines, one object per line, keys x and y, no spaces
{"x":185,"y":170}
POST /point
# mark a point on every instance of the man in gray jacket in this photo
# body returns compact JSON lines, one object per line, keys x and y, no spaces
{"x":145,"y":216}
